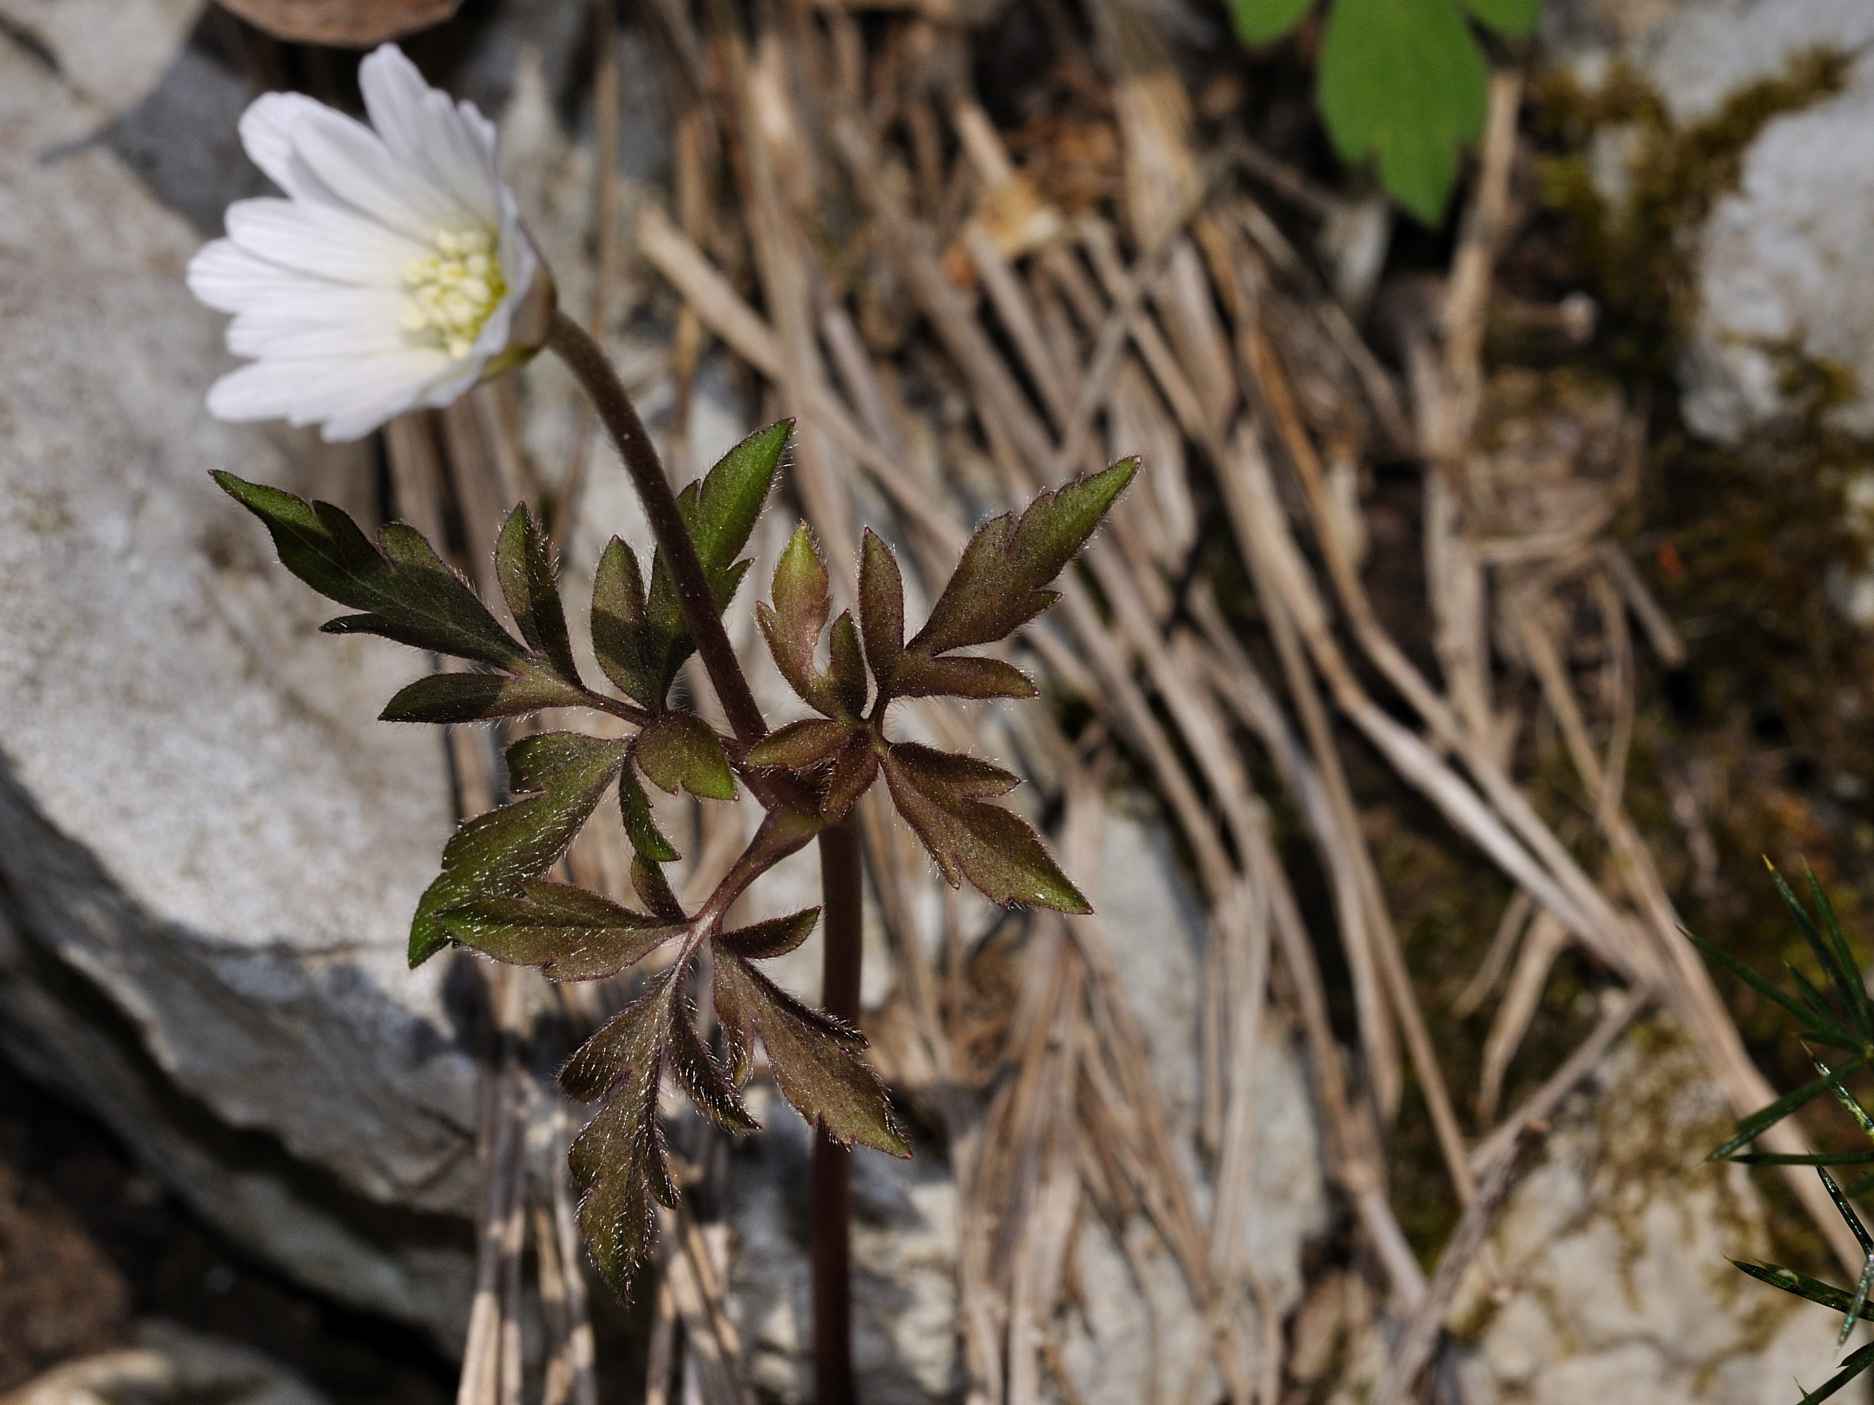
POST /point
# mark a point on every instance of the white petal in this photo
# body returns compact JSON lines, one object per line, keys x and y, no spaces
{"x":248,"y":336}
{"x":453,"y":144}
{"x":267,"y":129}
{"x":230,"y":279}
{"x":321,"y":239}
{"x":342,"y":391}
{"x":353,"y":162}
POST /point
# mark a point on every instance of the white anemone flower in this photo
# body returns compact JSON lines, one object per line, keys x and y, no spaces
{"x":394,"y":274}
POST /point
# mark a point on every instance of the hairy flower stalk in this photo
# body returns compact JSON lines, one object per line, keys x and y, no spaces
{"x":393,"y":274}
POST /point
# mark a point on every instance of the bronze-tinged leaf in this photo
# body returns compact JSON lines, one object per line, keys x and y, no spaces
{"x":406,"y":591}
{"x":571,"y":934}
{"x":620,"y":639}
{"x":679,"y":752}
{"x":852,"y":773}
{"x":653,"y":890}
{"x":501,"y":850}
{"x":342,"y":23}
{"x":800,"y":746}
{"x":524,"y":567}
{"x":774,"y":937}
{"x":958,"y":676}
{"x":706,"y":1081}
{"x":847,"y":672}
{"x":818,"y":1062}
{"x":1000,"y":584}
{"x":950,"y":777}
{"x":614,"y":1049}
{"x":995,"y":849}
{"x":793,"y":623}
{"x":619,"y":1161}
{"x":479,"y":697}
{"x":881,"y":608}
{"x":641,"y":823}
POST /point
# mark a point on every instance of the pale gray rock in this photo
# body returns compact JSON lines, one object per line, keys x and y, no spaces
{"x":208,"y":851}
{"x":110,"y":51}
{"x":1784,"y":269}
{"x":1606,"y":1278}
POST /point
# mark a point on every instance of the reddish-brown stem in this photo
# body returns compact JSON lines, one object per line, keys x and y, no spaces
{"x":829,"y":1211}
{"x":587,"y":361}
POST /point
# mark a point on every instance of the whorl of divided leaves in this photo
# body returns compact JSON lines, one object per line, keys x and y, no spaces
{"x":495,"y":893}
{"x":1839,"y":1017}
{"x":1001,"y":583}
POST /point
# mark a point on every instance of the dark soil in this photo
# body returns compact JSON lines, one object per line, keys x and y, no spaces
{"x":89,"y":1243}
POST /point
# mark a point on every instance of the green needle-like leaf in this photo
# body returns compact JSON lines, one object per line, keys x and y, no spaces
{"x":1832,"y":1032}
{"x":1754,"y":1126}
{"x":1836,"y":960}
{"x":1857,"y":1362}
{"x":1854,"y":984}
{"x":1802,"y":1285}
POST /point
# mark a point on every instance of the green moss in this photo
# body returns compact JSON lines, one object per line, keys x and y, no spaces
{"x":1637,"y":250}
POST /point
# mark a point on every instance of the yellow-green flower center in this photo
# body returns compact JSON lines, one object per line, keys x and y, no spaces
{"x":451,"y":292}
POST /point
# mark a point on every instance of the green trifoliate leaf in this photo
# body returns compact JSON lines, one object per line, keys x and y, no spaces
{"x":1403,"y":82}
{"x":720,"y":512}
{"x":800,"y":746}
{"x":1000,"y":584}
{"x":942,"y":797}
{"x":560,"y":777}
{"x":679,"y":752}
{"x":881,"y":609}
{"x":1265,"y":21}
{"x":404,"y":588}
{"x":524,"y":567}
{"x":480,"y":697}
{"x":571,"y":934}
{"x":641,"y":823}
{"x":775,"y":937}
{"x":1514,"y":19}
{"x":624,"y":644}
{"x":818,"y":1061}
